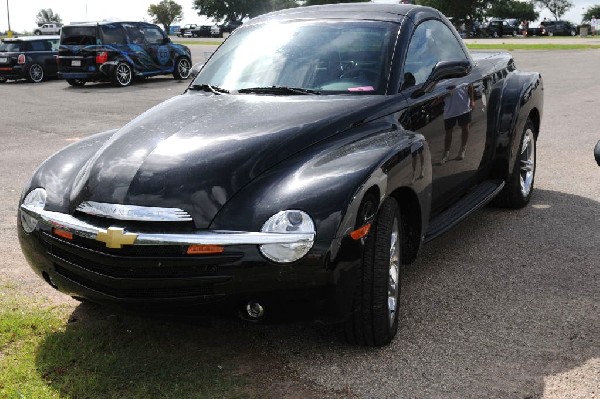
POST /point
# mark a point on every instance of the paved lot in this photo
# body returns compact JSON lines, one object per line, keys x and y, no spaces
{"x":507,"y":305}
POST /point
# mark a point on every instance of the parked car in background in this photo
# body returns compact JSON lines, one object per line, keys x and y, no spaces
{"x":230,"y":26}
{"x":558,"y":28}
{"x":502,"y":27}
{"x":199,"y":31}
{"x":186,"y":27}
{"x":297,"y":174}
{"x":119,"y":52}
{"x":48,"y":29}
{"x":28,"y":57}
{"x":215,"y":31}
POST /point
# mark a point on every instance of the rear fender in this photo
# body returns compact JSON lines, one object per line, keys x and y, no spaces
{"x":512,"y":101}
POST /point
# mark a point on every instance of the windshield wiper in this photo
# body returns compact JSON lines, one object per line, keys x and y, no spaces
{"x":278,"y":90}
{"x":210,"y":88}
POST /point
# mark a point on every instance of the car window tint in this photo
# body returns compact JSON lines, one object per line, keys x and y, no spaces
{"x":153,"y":35}
{"x":113,"y":34}
{"x":78,"y":35}
{"x":38,"y":45}
{"x":134,"y":33}
{"x":11,"y":47}
{"x":432,"y":42}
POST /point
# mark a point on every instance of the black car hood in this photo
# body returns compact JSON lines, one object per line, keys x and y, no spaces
{"x":197,"y":150}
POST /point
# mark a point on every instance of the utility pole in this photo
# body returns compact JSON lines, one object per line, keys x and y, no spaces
{"x":9,"y":33}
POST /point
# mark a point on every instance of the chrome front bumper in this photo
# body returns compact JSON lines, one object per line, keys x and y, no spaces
{"x":205,"y":237}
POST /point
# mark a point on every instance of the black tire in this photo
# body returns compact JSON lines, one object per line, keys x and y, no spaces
{"x":194,"y":35}
{"x":37,"y":33}
{"x":183,"y":67}
{"x":122,"y":75}
{"x":374,"y":319}
{"x":35,"y":74}
{"x":519,"y":187}
{"x":3,"y":79}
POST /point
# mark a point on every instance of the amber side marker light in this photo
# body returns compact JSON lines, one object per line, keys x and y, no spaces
{"x":62,"y":233}
{"x":360,"y":233}
{"x":204,"y":249}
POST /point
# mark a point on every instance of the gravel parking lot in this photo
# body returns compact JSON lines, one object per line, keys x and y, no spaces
{"x":507,"y":305}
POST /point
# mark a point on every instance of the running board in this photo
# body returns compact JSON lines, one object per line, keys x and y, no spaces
{"x":474,"y":200}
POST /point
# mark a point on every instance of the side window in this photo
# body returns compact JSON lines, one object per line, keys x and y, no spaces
{"x":113,"y":34}
{"x":53,"y":44}
{"x":432,"y":42}
{"x":153,"y":35}
{"x":135,"y":34}
{"x":37,"y":45}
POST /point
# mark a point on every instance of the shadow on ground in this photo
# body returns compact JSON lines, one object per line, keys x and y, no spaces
{"x":500,"y":307}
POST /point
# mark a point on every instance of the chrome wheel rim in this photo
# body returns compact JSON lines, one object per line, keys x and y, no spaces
{"x":527,"y":163}
{"x":123,"y":74}
{"x":36,"y":73}
{"x":394,"y":269}
{"x":184,"y":67}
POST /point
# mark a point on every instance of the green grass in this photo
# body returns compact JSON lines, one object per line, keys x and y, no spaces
{"x":47,"y":353}
{"x":517,"y":46}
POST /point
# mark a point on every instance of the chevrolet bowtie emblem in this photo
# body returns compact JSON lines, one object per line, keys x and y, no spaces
{"x":115,"y":237}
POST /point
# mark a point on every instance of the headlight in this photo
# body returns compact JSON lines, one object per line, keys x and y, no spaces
{"x":35,"y":199}
{"x":288,"y":222}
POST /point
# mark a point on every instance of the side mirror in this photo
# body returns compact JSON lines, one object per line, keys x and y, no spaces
{"x":196,"y":69}
{"x":166,"y":40}
{"x":597,"y":153}
{"x":444,"y":70}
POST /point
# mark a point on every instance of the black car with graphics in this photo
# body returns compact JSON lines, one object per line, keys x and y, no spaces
{"x":119,"y":52}
{"x":307,"y":161}
{"x":28,"y":57}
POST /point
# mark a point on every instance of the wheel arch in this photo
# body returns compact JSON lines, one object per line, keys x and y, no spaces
{"x":411,"y":220}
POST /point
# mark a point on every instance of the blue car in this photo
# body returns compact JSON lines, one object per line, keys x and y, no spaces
{"x":119,"y":52}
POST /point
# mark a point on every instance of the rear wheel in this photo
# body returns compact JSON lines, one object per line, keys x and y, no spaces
{"x":35,"y":73}
{"x":122,"y":75}
{"x":37,"y":33}
{"x":3,"y":79}
{"x":183,"y":66}
{"x":76,"y":82}
{"x":374,"y":320}
{"x":519,"y":187}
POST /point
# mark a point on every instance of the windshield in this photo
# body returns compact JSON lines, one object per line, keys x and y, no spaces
{"x":350,"y":57}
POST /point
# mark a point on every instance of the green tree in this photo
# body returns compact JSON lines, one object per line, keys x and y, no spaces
{"x":165,"y":13}
{"x":235,"y":10}
{"x":558,"y":8}
{"x":593,"y":11}
{"x":513,"y":9}
{"x":459,"y":9}
{"x":46,"y":15}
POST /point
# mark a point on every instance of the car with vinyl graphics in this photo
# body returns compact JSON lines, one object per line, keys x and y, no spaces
{"x":307,"y":161}
{"x":119,"y":52}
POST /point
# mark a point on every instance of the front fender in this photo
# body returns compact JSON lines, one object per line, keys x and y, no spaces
{"x":57,"y":173}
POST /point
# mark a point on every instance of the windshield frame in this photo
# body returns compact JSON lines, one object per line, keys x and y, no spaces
{"x":385,"y":51}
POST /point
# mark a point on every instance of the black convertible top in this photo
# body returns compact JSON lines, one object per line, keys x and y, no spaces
{"x":361,"y":11}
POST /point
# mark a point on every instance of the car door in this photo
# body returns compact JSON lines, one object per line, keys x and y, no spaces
{"x":456,"y":155}
{"x":157,"y":48}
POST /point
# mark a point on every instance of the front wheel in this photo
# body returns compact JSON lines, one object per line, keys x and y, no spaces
{"x":374,"y":319}
{"x":519,"y":187}
{"x":122,"y":75}
{"x":183,"y":66}
{"x":76,"y":82}
{"x":35,"y":73}
{"x":3,"y":79}
{"x":37,"y":33}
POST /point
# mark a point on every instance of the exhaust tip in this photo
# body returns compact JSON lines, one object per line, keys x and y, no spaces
{"x":254,"y":310}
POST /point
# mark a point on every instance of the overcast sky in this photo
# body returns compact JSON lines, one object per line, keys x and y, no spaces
{"x":23,"y":12}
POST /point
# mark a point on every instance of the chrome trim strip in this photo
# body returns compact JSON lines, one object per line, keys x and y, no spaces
{"x":208,"y":237}
{"x":134,"y":212}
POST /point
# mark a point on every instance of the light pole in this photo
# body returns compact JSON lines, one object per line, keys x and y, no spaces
{"x":9,"y":33}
